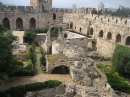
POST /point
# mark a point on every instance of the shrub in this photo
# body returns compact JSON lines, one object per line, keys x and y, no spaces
{"x":65,"y":35}
{"x":29,"y":36}
{"x":52,"y":83}
{"x":35,"y":86}
{"x":30,"y":64}
{"x":20,"y":62}
{"x":18,"y":91}
{"x":117,"y":83}
{"x":121,"y":59}
{"x":43,"y":60}
{"x":21,"y":90}
{"x":4,"y":76}
{"x":2,"y":94}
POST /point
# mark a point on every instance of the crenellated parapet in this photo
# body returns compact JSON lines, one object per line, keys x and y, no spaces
{"x":17,"y":9}
{"x":65,"y":10}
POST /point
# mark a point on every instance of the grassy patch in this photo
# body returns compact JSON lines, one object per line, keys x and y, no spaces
{"x":53,"y":38}
{"x":56,"y":58}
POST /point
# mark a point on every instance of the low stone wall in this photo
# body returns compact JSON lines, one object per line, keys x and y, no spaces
{"x":60,"y":90}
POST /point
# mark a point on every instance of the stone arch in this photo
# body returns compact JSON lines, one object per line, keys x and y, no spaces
{"x":6,"y":23}
{"x":118,"y":38}
{"x":127,"y":42}
{"x":91,"y":46}
{"x":32,"y":23}
{"x":61,"y":70}
{"x":91,"y":31}
{"x":19,"y":24}
{"x":54,"y":16}
{"x":109,"y":35}
{"x":101,"y":33}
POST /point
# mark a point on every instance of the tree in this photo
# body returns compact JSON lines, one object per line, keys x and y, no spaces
{"x":6,"y":57}
{"x":121,"y":59}
{"x":29,"y":36}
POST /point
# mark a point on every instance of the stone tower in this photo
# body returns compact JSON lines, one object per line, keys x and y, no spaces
{"x":34,"y":4}
{"x":41,"y":5}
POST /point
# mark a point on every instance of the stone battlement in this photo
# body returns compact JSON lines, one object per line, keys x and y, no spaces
{"x":101,"y":18}
{"x":62,"y":10}
{"x":16,"y":9}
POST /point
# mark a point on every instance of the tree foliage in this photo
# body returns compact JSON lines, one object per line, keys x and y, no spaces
{"x":120,"y":12}
{"x":121,"y":59}
{"x":6,"y":57}
{"x":29,"y":36}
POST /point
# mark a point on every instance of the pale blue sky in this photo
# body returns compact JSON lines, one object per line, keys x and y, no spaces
{"x":79,"y":3}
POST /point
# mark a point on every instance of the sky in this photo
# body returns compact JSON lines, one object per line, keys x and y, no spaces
{"x":79,"y":3}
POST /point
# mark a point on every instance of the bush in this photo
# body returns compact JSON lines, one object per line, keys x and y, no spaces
{"x":30,"y":64}
{"x":43,"y":60}
{"x":52,"y":83}
{"x":21,"y":90}
{"x":29,"y":36}
{"x":121,"y":59}
{"x":2,"y":94}
{"x":4,"y":76}
{"x":65,"y":35}
{"x":35,"y":86}
{"x":117,"y":83}
{"x":20,"y":62}
{"x":18,"y":91}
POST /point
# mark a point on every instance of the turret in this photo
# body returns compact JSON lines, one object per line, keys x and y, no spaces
{"x":41,"y":5}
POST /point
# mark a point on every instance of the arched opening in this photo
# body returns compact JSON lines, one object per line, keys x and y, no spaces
{"x":80,"y":29}
{"x":61,"y":70}
{"x":54,"y":16}
{"x":71,"y":25}
{"x":108,"y":20}
{"x":91,"y":46}
{"x":109,"y":35}
{"x":42,"y":8}
{"x":19,"y":24}
{"x":125,"y":22}
{"x":6,"y":23}
{"x":101,"y":33}
{"x":127,"y":42}
{"x":118,"y":38}
{"x":116,"y":21}
{"x":32,"y":23}
{"x":91,"y":31}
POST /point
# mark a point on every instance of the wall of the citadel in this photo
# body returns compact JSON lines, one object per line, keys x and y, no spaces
{"x":111,"y":27}
{"x":43,"y":18}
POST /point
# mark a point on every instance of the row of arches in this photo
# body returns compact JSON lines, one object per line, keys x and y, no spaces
{"x":118,"y":37}
{"x":109,"y":36}
{"x":19,"y":23}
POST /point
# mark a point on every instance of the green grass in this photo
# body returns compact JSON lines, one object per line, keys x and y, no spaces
{"x":106,"y":69}
{"x":53,"y":38}
{"x":56,"y":58}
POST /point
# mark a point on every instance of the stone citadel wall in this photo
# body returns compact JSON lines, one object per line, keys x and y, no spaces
{"x":41,"y":15}
{"x":108,"y":30}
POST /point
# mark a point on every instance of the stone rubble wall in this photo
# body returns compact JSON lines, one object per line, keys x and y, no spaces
{"x":60,"y":90}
